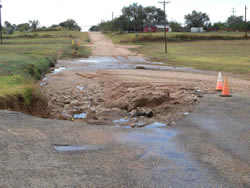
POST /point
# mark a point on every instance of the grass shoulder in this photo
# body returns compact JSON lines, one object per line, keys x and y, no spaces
{"x":24,"y":59}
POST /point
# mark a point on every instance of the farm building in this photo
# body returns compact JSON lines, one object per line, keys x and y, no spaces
{"x":197,"y":29}
{"x":156,"y":28}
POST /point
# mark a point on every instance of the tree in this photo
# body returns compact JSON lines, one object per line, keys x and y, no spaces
{"x":34,"y":24}
{"x":154,"y":16}
{"x":219,"y":26}
{"x":208,"y":26}
{"x":94,"y":28}
{"x":23,"y":27}
{"x":196,"y":19}
{"x":121,"y":24}
{"x":70,"y":24}
{"x":175,"y":26}
{"x":9,"y":28}
{"x":133,"y":18}
{"x":235,"y":23}
{"x":54,"y":26}
{"x":135,"y":14}
{"x":7,"y":24}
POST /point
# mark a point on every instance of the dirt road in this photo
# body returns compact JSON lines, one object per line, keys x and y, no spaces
{"x":189,"y":136}
{"x":103,"y":46}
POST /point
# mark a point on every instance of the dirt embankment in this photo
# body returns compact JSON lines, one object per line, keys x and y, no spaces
{"x":37,"y":105}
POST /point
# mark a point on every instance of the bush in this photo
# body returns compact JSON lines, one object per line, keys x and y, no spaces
{"x":38,"y":69}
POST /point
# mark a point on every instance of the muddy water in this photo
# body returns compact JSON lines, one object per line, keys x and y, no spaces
{"x":178,"y":167}
{"x":133,"y":62}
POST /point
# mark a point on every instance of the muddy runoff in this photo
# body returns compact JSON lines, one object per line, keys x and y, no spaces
{"x":113,"y":91}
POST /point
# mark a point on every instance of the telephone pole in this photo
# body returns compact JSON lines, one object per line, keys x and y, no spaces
{"x":112,"y":16}
{"x":135,"y":20}
{"x":165,"y":24}
{"x":1,"y":29}
{"x":246,"y":23}
{"x":233,"y":11}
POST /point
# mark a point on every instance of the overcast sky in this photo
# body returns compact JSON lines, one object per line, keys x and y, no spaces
{"x":90,"y":12}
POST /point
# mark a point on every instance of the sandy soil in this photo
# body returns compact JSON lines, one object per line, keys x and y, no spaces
{"x":103,"y":46}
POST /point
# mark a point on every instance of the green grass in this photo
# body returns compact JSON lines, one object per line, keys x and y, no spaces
{"x":175,"y":36}
{"x":17,"y":83}
{"x":228,"y":56}
{"x":217,"y":55}
{"x":24,"y":59}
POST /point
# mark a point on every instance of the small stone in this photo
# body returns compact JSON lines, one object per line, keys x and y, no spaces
{"x":138,"y":114}
{"x":139,"y":67}
{"x":65,"y":115}
{"x":150,"y":114}
{"x":173,"y":123}
{"x":74,"y":103}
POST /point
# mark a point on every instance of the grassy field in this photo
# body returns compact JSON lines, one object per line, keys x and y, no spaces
{"x":25,"y":57}
{"x":218,"y":55}
{"x":175,"y":36}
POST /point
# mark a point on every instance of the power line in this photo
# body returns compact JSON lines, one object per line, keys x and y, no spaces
{"x":165,"y":24}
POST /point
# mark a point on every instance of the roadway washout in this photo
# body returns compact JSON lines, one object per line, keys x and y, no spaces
{"x":117,"y":84}
{"x":102,"y":90}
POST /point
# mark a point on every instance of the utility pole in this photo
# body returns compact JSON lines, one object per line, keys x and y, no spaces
{"x":112,"y":16}
{"x":233,"y":11}
{"x":1,"y":29}
{"x":246,"y":23}
{"x":165,"y":24}
{"x":135,"y":20}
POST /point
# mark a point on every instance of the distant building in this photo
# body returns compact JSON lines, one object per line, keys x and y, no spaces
{"x":197,"y":29}
{"x":156,"y":28}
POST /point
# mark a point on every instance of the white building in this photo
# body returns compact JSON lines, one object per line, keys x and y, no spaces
{"x":197,"y":29}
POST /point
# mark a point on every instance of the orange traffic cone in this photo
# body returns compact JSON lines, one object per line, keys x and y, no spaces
{"x":219,"y":86}
{"x":225,"y":91}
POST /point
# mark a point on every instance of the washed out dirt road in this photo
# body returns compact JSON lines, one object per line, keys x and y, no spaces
{"x":185,"y":135}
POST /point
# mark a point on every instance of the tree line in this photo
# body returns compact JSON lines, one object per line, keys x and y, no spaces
{"x":34,"y":25}
{"x":134,"y":17}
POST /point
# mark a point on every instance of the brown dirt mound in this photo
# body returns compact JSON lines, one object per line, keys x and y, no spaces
{"x":130,"y":96}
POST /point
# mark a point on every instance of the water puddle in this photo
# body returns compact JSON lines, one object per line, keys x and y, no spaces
{"x":80,"y":87}
{"x":121,"y":121}
{"x":125,"y":127}
{"x":68,"y":148}
{"x":80,"y":116}
{"x":147,"y":136}
{"x":159,"y":143}
{"x":43,"y":83}
{"x":156,"y":125}
{"x":105,"y":63}
{"x":185,"y":113}
{"x":57,"y":70}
